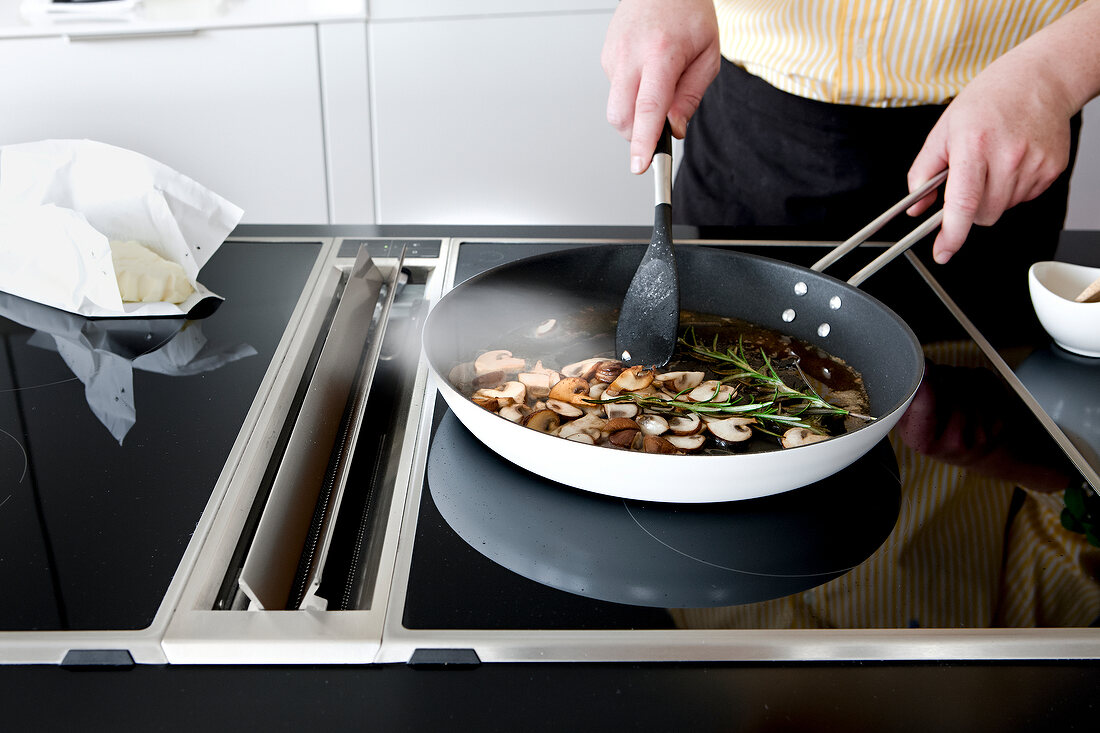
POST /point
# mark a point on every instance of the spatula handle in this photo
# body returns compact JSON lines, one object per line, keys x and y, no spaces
{"x":662,"y":167}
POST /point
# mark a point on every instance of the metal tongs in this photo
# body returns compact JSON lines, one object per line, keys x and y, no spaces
{"x":924,"y":229}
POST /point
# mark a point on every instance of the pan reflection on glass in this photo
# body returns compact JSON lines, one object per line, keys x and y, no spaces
{"x":658,"y":554}
{"x":102,"y":353}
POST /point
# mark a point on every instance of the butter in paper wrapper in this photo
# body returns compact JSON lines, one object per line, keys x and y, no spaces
{"x":63,"y":201}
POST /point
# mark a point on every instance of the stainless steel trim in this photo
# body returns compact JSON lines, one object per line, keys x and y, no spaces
{"x":201,"y":634}
{"x":366,"y":379}
{"x":662,"y":178}
{"x":269,"y":569}
{"x":133,"y":35}
{"x":1087,"y":469}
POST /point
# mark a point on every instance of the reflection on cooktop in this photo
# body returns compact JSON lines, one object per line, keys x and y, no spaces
{"x":661,"y":555}
{"x":92,"y":529}
{"x":103,"y":353}
{"x":1068,"y":388}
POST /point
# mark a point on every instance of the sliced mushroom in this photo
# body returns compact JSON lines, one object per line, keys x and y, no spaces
{"x":584,"y":369}
{"x":495,"y":398}
{"x":462,"y":375}
{"x":581,"y":437}
{"x":705,"y":391}
{"x":565,"y":409}
{"x":731,"y":429}
{"x":616,"y":424}
{"x":538,"y":368}
{"x":546,"y":327}
{"x":538,"y":385}
{"x":515,"y":413}
{"x":652,"y":424}
{"x":679,"y":381}
{"x":590,"y":422}
{"x":581,"y":426}
{"x":657,"y":444}
{"x":801,"y":436}
{"x":633,"y":379}
{"x":620,"y":409}
{"x":498,"y":360}
{"x":625,"y":438}
{"x":687,"y":442}
{"x":596,"y":390}
{"x":607,"y":371}
{"x":545,"y":421}
{"x":489,"y":379}
{"x":688,"y":424}
{"x":481,"y":399}
{"x":711,"y":391}
{"x":570,"y":389}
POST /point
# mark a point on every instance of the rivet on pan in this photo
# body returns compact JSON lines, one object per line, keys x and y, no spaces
{"x":823,"y":330}
{"x":800,"y":288}
{"x":834,"y":302}
{"x":788,"y":315}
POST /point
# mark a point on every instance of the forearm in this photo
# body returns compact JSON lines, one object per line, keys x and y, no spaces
{"x":1067,"y":54}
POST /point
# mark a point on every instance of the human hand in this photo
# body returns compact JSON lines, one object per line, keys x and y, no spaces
{"x":1004,"y":139}
{"x":660,"y":57}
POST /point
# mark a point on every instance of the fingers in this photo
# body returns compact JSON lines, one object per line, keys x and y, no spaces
{"x":962,"y":196}
{"x":655,"y":94}
{"x":931,"y":160}
{"x":689,"y":91}
{"x":620,"y":101}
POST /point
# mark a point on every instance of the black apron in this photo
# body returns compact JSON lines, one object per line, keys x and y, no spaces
{"x":761,"y":163}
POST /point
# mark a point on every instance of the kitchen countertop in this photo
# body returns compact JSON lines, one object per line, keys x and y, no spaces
{"x":787,"y":696}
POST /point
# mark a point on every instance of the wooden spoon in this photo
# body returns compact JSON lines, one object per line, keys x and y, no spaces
{"x":1091,"y":294}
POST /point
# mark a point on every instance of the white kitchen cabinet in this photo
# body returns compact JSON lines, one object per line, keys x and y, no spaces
{"x":405,"y":9}
{"x":498,"y":120}
{"x":237,"y":109}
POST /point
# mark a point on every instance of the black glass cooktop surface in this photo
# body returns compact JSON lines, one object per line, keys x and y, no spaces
{"x":114,"y":432}
{"x":953,"y":523}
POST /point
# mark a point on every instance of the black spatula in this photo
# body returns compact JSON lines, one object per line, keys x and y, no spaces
{"x":650,"y":314}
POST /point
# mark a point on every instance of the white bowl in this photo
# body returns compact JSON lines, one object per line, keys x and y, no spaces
{"x":1073,"y":326}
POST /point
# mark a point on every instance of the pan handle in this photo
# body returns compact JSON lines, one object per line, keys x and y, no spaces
{"x":926,"y":227}
{"x":862,"y":235}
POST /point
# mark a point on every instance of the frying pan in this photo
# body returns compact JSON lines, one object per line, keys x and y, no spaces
{"x":501,"y":308}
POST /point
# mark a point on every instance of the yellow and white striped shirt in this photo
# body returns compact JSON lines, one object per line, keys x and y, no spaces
{"x":876,"y":53}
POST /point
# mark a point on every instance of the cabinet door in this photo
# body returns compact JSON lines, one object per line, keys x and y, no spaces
{"x":499,"y":120}
{"x":238,"y":110}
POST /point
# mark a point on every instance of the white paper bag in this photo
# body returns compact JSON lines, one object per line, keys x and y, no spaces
{"x":63,"y":201}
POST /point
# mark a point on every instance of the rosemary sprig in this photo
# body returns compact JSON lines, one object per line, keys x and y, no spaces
{"x":766,"y":377}
{"x":768,"y":411}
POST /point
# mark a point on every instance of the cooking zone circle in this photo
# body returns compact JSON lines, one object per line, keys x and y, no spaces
{"x":659,"y":554}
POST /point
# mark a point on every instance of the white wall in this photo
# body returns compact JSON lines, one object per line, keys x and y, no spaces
{"x":1084,"y":191}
